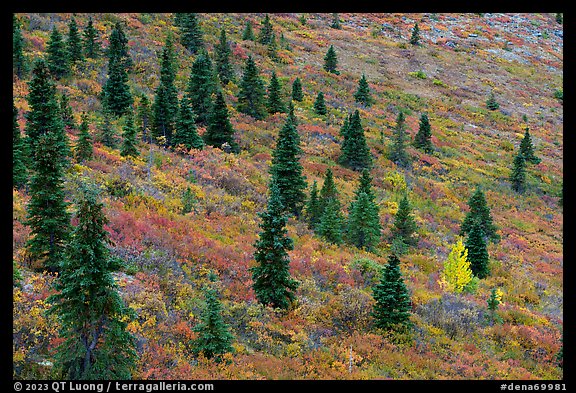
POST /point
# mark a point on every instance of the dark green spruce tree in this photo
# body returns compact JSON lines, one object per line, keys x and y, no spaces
{"x":423,"y":138}
{"x":479,"y":211}
{"x":251,"y":99}
{"x":118,"y":48}
{"x":286,"y":169}
{"x":116,"y":96}
{"x":191,"y":33}
{"x":129,"y":148}
{"x":331,"y":222}
{"x":328,"y":191}
{"x":355,"y":153}
{"x":74,"y":43}
{"x":362,"y":94}
{"x":363,"y":228}
{"x":271,"y":278}
{"x":398,"y":153}
{"x":201,"y":87}
{"x":527,"y":149}
{"x":93,"y":317}
{"x":266,"y":31}
{"x":335,"y":21}
{"x":320,"y":105}
{"x":19,"y":61}
{"x":392,"y":300}
{"x":248,"y":33}
{"x":297,"y":94}
{"x":404,"y":227}
{"x":415,"y":37}
{"x":491,"y":102}
{"x":186,"y":132}
{"x":107,"y":133}
{"x":47,"y":216}
{"x":84,"y":149}
{"x":19,"y":170}
{"x":518,"y":175}
{"x":313,"y":213}
{"x":477,"y":251}
{"x":57,"y":55}
{"x":165,"y":106}
{"x":331,"y":61}
{"x":220,"y":131}
{"x":275,"y":103}
{"x":222,"y":53}
{"x":92,"y":46}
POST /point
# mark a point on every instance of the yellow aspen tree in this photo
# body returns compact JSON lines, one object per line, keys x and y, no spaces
{"x":457,"y":273}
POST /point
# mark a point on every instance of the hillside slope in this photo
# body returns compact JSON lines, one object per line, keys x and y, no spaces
{"x":168,"y":255}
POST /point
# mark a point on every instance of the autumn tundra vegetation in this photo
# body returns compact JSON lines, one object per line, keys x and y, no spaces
{"x":287,"y":196}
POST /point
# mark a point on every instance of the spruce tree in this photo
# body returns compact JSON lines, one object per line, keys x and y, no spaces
{"x":223,"y":66}
{"x":74,"y":43}
{"x":186,"y":131}
{"x":251,"y":100}
{"x":118,"y":48}
{"x":93,"y":317}
{"x":286,"y":169}
{"x":84,"y":148}
{"x":480,"y":211}
{"x":220,"y":130}
{"x":47,"y":215}
{"x":313,"y":213}
{"x":527,"y":149}
{"x":107,"y":134}
{"x":355,"y":153}
{"x":331,"y":222}
{"x":477,"y":251}
{"x":271,"y":278}
{"x":116,"y":96}
{"x":362,"y":94}
{"x":415,"y":37}
{"x":331,"y":61}
{"x":491,"y":102}
{"x":57,"y":55}
{"x":165,"y":106}
{"x":392,"y":299}
{"x":335,"y":21}
{"x":320,"y":105}
{"x":404,"y":226}
{"x":248,"y":34}
{"x":266,"y":31}
{"x":272,"y":48}
{"x":19,"y":61}
{"x":398,"y":153}
{"x":518,"y":175}
{"x":274,"y":96}
{"x":327,"y":192}
{"x":214,"y":337}
{"x":423,"y":138}
{"x":363,"y":228}
{"x":91,"y":44}
{"x":291,"y":116}
{"x":191,"y":33}
{"x":66,"y":111}
{"x":297,"y":94}
{"x":19,"y":171}
{"x":129,"y":148}
{"x":201,"y":86}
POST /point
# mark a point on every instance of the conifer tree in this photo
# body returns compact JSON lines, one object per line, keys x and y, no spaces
{"x":266,"y":31}
{"x":423,"y":138}
{"x":527,"y":149}
{"x":201,"y":87}
{"x":335,"y":21}
{"x":404,"y":226}
{"x":84,"y":148}
{"x":91,"y":44}
{"x":355,"y":153}
{"x":313,"y":213}
{"x":275,"y":103}
{"x":220,"y":130}
{"x":392,"y":307}
{"x":165,"y":106}
{"x":297,"y":94}
{"x":331,"y":61}
{"x":107,"y":134}
{"x":320,"y":105}
{"x":118,"y":48}
{"x":362,"y":94}
{"x":477,"y":251}
{"x":47,"y":215}
{"x":286,"y":169}
{"x":415,"y":37}
{"x":191,"y":33}
{"x":66,"y":111}
{"x":480,"y":211}
{"x":129,"y":148}
{"x":272,"y":282}
{"x":291,"y":116}
{"x":284,"y":42}
{"x":144,"y":117}
{"x":331,"y":222}
{"x":214,"y":337}
{"x":272,"y":48}
{"x":248,"y":34}
{"x":363,"y":227}
{"x":57,"y":55}
{"x":19,"y":61}
{"x":222,"y":52}
{"x":328,"y":191}
{"x":251,"y":100}
{"x":491,"y":103}
{"x":457,"y":273}
{"x":494,"y":301}
{"x":518,"y":175}
{"x":74,"y":43}
{"x":188,"y":201}
{"x":93,"y":317}
{"x":116,"y":96}
{"x":186,"y":131}
{"x":398,"y":153}
{"x":19,"y":171}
